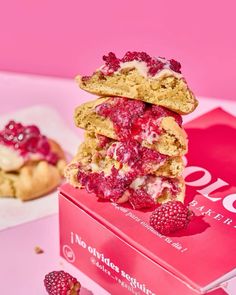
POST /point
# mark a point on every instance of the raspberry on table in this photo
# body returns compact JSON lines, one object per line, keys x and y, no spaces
{"x":61,"y":283}
{"x":170,"y":217}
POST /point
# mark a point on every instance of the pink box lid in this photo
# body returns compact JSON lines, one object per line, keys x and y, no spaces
{"x":203,"y":255}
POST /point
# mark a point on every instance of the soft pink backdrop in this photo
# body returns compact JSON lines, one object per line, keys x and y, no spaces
{"x":63,"y":38}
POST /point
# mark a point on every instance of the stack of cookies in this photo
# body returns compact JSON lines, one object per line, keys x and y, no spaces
{"x":134,"y":140}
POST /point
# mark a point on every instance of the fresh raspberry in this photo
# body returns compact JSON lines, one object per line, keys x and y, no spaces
{"x":61,"y":283}
{"x":170,"y":217}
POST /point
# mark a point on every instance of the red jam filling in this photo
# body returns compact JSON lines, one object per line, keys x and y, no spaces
{"x":110,"y":187}
{"x":114,"y":186}
{"x":140,"y":198}
{"x":135,"y":119}
{"x":174,"y":186}
{"x":26,"y":140}
{"x":140,"y":161}
{"x":112,"y":63}
{"x":103,"y":141}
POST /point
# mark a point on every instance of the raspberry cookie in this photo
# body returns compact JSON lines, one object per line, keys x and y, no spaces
{"x":139,"y":76}
{"x":99,"y":153}
{"x":31,"y":164}
{"x":120,"y":186}
{"x":123,"y":119}
{"x":125,"y":171}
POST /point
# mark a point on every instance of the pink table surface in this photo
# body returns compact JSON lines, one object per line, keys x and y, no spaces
{"x":21,"y":270}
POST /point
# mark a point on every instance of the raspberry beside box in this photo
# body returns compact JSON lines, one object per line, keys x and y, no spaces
{"x":117,"y":248}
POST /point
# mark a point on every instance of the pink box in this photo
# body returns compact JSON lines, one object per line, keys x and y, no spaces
{"x":118,"y":249}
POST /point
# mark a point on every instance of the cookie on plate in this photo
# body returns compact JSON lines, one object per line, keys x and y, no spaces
{"x":31,"y":165}
{"x":123,"y":119}
{"x":139,"y":76}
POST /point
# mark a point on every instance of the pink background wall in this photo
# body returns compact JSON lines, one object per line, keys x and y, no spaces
{"x":63,"y":38}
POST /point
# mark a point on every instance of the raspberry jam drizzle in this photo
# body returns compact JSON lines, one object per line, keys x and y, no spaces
{"x":153,"y":64}
{"x":135,"y":119}
{"x":27,"y":140}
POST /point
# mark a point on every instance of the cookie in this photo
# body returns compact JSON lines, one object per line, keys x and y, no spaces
{"x":138,"y":76}
{"x":31,"y":165}
{"x":99,"y":153}
{"x":140,"y":191}
{"x":123,"y":119}
{"x":7,"y":188}
{"x":31,"y":181}
{"x":125,"y":171}
{"x":148,"y":191}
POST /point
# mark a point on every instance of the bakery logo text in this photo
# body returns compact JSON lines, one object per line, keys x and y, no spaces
{"x":108,"y":266}
{"x":207,"y":188}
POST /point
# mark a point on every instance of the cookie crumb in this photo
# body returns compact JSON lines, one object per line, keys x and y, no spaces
{"x":38,"y":250}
